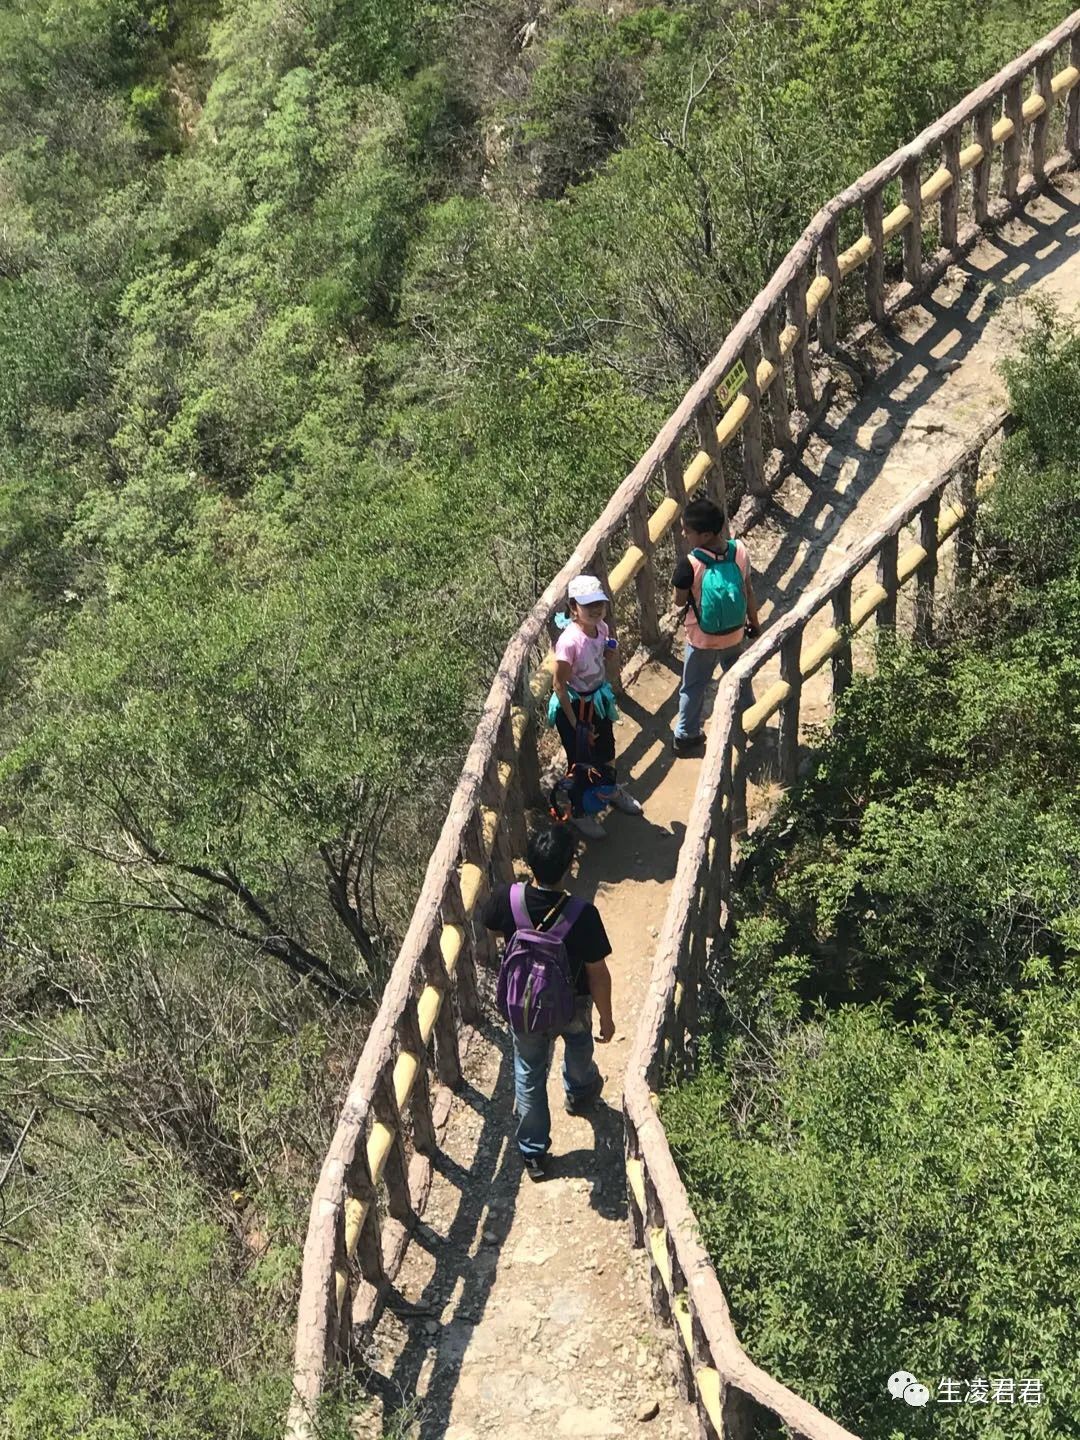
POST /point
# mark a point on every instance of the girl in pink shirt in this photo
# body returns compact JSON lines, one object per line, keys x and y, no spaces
{"x":583,"y":709}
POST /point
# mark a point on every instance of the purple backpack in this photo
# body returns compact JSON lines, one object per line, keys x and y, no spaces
{"x":535,"y":991}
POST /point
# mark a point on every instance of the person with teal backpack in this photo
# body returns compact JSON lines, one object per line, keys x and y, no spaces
{"x":712,"y":583}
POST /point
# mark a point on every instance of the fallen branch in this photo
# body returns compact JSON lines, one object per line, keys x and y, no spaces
{"x":18,"y":1146}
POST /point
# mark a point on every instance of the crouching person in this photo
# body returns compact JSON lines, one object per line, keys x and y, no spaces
{"x":553,"y":973}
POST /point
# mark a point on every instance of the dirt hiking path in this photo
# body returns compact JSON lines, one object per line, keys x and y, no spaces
{"x":521,"y":1310}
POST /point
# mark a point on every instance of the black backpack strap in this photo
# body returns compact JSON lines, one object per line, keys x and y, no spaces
{"x":552,"y":916}
{"x":569,"y":910}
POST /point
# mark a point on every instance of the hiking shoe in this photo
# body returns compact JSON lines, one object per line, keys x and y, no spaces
{"x":687,"y":745}
{"x":535,"y":1166}
{"x":582,"y":1104}
{"x":589,"y":826}
{"x":624,"y":801}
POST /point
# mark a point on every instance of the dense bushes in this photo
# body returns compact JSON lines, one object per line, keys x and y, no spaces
{"x":881,"y":1197}
{"x":883,"y":1143}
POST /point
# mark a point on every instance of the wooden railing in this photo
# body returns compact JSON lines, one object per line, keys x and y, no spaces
{"x":730,"y":1390}
{"x":758,"y":396}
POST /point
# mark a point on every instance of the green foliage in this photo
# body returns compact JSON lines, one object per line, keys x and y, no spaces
{"x":910,"y":64}
{"x":325,"y":330}
{"x":163,"y":1326}
{"x":585,"y":89}
{"x":1035,"y":510}
{"x":880,"y":1197}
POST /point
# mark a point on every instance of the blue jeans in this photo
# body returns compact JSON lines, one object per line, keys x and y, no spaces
{"x":698,"y":669}
{"x":532,"y":1061}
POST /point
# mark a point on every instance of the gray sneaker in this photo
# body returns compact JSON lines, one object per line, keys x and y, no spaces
{"x":624,"y":801}
{"x":589,"y":826}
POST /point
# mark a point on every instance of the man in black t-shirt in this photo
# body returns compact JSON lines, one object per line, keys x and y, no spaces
{"x":550,"y":856}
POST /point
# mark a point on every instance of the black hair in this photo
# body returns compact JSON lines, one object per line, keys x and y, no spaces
{"x":550,"y":853}
{"x":704,"y":516}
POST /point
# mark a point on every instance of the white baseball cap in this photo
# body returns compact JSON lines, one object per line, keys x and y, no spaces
{"x":586,"y":590}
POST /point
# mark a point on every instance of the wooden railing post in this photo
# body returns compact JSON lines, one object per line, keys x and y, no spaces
{"x":778,"y":396}
{"x":395,"y":1171}
{"x":753,"y":458}
{"x":719,"y":856}
{"x":702,"y":1358}
{"x":598,"y":566}
{"x":360,"y":1190}
{"x":800,"y":353}
{"x":675,"y":487}
{"x":965,"y":531}
{"x":722,"y":820}
{"x":695,"y":969}
{"x":888,"y":557}
{"x":499,"y":804}
{"x":645,"y":579}
{"x":1072,"y":105}
{"x":513,"y":805}
{"x":980,"y":180}
{"x":927,"y":572}
{"x":841,"y":660}
{"x":828,"y":266}
{"x":1014,"y":145}
{"x":873,"y":216}
{"x":1044,"y":75}
{"x":465,"y":973}
{"x":483,"y":952}
{"x":685,"y":1373}
{"x":738,"y":772}
{"x":706,"y":420}
{"x":339,"y":1302}
{"x":791,"y":675}
{"x":632,"y":1150}
{"x":423,"y":1128}
{"x":654,"y":1219}
{"x":950,"y":200}
{"x":673,"y":1032}
{"x":528,"y":754}
{"x":911,"y":192}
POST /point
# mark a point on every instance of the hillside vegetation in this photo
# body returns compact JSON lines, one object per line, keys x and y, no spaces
{"x":884,"y":1141}
{"x":325,"y":329}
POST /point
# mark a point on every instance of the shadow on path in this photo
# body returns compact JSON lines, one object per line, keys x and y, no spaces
{"x":952,"y":333}
{"x":486,"y":1201}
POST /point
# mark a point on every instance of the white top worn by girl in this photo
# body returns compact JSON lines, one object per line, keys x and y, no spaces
{"x":584,"y":654}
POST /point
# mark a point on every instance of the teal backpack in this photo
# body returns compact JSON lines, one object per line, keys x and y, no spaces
{"x":722,"y":608}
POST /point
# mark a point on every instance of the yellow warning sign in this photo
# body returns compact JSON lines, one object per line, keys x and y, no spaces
{"x":731,"y":384}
